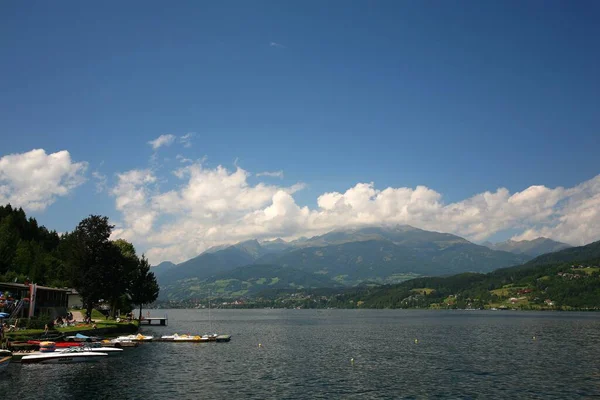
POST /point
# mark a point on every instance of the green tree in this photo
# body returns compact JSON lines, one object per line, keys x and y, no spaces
{"x":24,"y":257}
{"x":9,"y":240}
{"x":144,"y":288}
{"x":90,"y":251}
{"x":126,"y":248}
{"x":120,"y":270}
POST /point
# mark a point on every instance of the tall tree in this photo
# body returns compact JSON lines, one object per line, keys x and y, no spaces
{"x":120,"y":268}
{"x":144,"y":288}
{"x":90,"y":251}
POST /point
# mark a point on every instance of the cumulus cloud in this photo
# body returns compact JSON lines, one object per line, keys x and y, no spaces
{"x":132,"y":194}
{"x":214,"y":206}
{"x":33,"y":180}
{"x":575,"y":220}
{"x":162,"y":140}
{"x":271,"y":174}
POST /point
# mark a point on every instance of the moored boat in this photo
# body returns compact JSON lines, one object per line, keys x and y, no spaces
{"x":210,"y":338}
{"x":137,"y":338}
{"x":182,"y":338}
{"x":99,"y":348}
{"x":119,"y":343}
{"x":223,"y":338}
{"x":60,"y":345}
{"x":70,"y":355}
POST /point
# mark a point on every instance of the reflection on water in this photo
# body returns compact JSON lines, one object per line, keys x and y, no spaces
{"x":305,"y":354}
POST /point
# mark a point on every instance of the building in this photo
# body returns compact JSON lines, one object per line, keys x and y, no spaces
{"x":17,"y":299}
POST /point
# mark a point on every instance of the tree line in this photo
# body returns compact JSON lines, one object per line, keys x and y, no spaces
{"x":86,"y":259}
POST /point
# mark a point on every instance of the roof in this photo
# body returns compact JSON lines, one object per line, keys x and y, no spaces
{"x":23,"y":286}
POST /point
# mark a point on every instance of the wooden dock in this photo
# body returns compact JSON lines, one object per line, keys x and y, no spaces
{"x":160,"y":321}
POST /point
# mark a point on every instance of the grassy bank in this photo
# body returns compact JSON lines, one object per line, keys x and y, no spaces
{"x":103,"y":327}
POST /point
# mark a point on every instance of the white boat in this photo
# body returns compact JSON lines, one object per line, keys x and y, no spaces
{"x":98,"y":348}
{"x":118,"y":343}
{"x":136,"y":338}
{"x":183,"y":338}
{"x":67,"y":356}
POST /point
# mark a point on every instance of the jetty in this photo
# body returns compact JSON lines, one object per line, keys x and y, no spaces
{"x":160,"y":321}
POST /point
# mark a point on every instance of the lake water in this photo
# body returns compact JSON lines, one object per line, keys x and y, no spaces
{"x":305,"y":354}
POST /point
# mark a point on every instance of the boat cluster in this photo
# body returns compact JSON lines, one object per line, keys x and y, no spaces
{"x":72,"y":349}
{"x":81,"y":348}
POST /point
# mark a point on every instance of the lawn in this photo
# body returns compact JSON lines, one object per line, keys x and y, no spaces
{"x":586,"y":270}
{"x":507,"y":290}
{"x":98,"y":318}
{"x":72,"y":329}
{"x":500,"y":292}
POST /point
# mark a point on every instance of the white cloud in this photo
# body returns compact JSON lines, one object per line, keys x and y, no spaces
{"x":162,"y":140}
{"x":186,"y":139}
{"x":576,"y":219}
{"x":33,"y":180}
{"x":277,"y":45}
{"x":271,"y":174}
{"x":214,"y":206}
{"x":132,"y":193}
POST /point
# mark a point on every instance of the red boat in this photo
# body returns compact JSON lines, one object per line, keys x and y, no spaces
{"x":58,"y":344}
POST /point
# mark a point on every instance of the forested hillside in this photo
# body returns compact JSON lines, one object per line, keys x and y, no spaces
{"x":562,"y":280}
{"x":30,"y":250}
{"x":85,"y":259}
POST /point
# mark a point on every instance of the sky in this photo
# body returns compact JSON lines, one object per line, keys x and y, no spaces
{"x":193,"y":123}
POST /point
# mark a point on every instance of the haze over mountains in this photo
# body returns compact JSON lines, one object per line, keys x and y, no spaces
{"x":532,"y":248}
{"x":340,"y":258}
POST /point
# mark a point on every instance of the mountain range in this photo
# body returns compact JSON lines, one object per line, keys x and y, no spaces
{"x":532,"y":248}
{"x":373,"y":255}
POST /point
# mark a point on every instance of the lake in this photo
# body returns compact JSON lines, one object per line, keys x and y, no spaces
{"x":306,"y":354}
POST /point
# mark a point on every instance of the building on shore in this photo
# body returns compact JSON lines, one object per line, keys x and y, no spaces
{"x":29,"y":300}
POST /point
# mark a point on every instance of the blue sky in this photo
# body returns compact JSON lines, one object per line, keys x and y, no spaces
{"x":459,"y":97}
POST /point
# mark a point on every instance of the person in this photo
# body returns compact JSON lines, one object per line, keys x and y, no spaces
{"x":46,"y":330}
